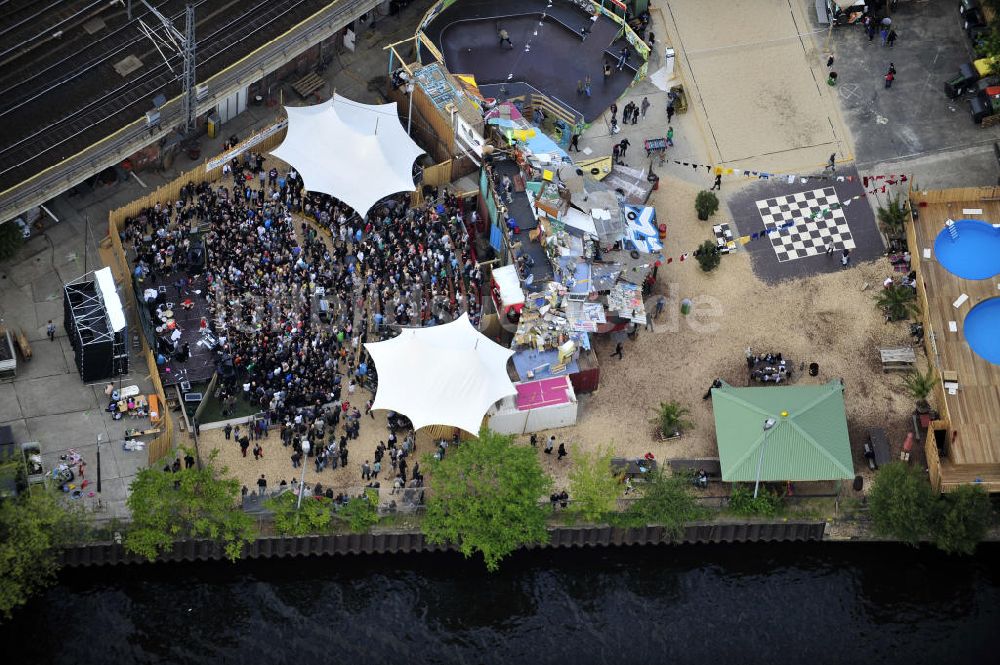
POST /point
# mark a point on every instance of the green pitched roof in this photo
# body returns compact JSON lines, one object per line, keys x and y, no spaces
{"x":810,"y":443}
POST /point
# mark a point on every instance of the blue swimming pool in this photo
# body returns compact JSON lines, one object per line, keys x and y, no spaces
{"x":974,"y":254}
{"x":982,"y":330}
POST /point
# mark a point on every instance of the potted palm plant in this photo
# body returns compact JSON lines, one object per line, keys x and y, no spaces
{"x":898,"y":302}
{"x":892,"y":218}
{"x":706,"y":203}
{"x":671,"y":420}
{"x":919,"y":386}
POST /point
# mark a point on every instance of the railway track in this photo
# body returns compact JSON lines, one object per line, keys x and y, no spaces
{"x":126,"y":100}
{"x":26,"y":84}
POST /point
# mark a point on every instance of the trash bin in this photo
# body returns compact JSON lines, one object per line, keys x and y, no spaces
{"x":212,"y":126}
{"x":813,"y":369}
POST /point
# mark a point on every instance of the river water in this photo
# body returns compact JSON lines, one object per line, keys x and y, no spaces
{"x":752,"y":603}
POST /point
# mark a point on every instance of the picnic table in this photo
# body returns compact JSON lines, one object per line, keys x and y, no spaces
{"x":632,"y":467}
{"x":710,"y":465}
{"x":877,"y":448}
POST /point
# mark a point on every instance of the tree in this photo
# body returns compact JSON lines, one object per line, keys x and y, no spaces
{"x":667,"y":501}
{"x":901,"y":503}
{"x":33,"y":527}
{"x":920,"y":386}
{"x":898,"y":302}
{"x":961,"y":520}
{"x":11,"y":239}
{"x":191,"y":503}
{"x":671,"y":419}
{"x":361,"y":512}
{"x":892,"y":218}
{"x":708,"y":255}
{"x":705,"y":204}
{"x":593,"y":485}
{"x":484,"y":497}
{"x":313,"y":517}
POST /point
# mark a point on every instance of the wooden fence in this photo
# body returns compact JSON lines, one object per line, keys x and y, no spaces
{"x":171,"y":190}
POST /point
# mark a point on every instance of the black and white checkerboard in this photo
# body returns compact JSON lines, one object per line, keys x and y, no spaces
{"x":811,"y":228}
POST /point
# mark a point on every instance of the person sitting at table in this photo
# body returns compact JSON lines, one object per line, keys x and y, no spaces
{"x":187,"y":304}
{"x":701,"y":480}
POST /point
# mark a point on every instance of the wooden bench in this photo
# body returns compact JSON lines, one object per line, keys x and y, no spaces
{"x":877,"y":448}
{"x":308,"y":84}
{"x":710,"y":465}
{"x":898,"y":359}
{"x":155,"y":417}
{"x":632,"y":467}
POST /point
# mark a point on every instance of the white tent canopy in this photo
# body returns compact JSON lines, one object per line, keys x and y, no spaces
{"x":358,"y":153}
{"x":442,"y":375}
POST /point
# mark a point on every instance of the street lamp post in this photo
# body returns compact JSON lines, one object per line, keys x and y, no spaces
{"x":768,"y":424}
{"x":302,"y":478}
{"x":409,"y":112}
{"x":99,"y":437}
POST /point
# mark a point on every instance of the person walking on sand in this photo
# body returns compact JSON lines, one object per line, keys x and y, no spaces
{"x":618,"y":351}
{"x":261,"y":485}
{"x":829,"y":248}
{"x":562,"y":452}
{"x":845,"y":258}
{"x":644,"y":106}
{"x":718,"y":182}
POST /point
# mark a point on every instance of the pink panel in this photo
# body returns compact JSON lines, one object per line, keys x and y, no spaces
{"x":546,"y":392}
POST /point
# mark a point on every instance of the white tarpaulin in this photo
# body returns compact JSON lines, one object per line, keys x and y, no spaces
{"x":358,"y":153}
{"x":109,"y":295}
{"x":442,"y":375}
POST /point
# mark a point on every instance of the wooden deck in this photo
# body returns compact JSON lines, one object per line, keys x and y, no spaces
{"x":973,"y":414}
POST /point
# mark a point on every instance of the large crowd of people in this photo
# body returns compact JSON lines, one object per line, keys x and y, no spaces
{"x":295,"y":282}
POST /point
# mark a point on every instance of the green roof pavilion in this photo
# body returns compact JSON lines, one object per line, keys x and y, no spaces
{"x":807,"y":442}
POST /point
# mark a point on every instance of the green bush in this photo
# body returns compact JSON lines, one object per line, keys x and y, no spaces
{"x":962,"y":519}
{"x":668,"y":501}
{"x":708,"y":255}
{"x":901,"y":503}
{"x":361,"y":512}
{"x":766,"y":504}
{"x":313,"y":517}
{"x":11,"y":240}
{"x":706,"y":203}
{"x":593,"y":486}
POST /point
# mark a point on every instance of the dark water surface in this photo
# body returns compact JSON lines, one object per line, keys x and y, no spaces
{"x":754,"y":603}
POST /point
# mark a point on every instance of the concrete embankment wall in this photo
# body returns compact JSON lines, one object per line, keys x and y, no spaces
{"x":103,"y":554}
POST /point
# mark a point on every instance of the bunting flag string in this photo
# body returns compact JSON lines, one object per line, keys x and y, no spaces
{"x":766,"y":232}
{"x":791,"y":178}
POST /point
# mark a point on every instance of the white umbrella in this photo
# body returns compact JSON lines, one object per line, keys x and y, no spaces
{"x":443,"y":375}
{"x":358,"y":153}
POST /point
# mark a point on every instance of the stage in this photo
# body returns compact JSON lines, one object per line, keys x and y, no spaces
{"x":549,"y":52}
